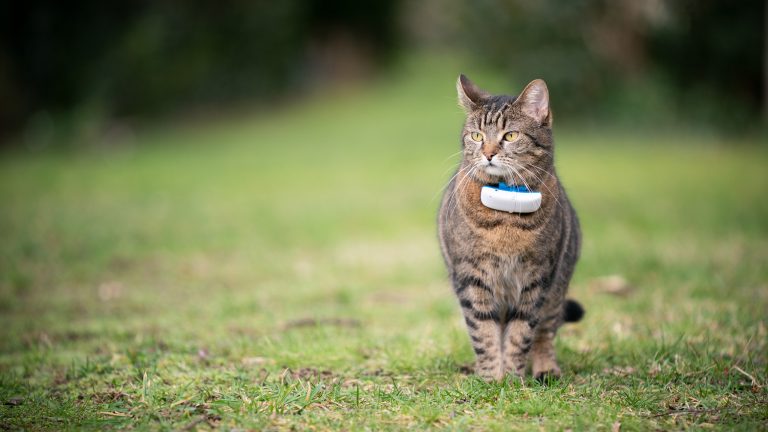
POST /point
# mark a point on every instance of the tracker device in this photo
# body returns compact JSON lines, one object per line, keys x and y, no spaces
{"x":510,"y":198}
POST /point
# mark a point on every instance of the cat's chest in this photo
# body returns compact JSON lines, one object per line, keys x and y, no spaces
{"x":508,"y":278}
{"x":506,"y":233}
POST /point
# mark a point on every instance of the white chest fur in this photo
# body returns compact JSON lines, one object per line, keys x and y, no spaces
{"x":509,"y":279}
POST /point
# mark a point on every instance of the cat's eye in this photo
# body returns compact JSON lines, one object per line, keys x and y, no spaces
{"x":476,"y":136}
{"x":511,"y":136}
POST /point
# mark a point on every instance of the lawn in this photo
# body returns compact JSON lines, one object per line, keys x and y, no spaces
{"x":279,"y":269}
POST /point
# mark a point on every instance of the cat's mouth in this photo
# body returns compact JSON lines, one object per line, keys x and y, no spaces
{"x":494,"y":170}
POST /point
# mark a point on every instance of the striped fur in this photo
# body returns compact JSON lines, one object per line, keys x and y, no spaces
{"x":509,"y":271}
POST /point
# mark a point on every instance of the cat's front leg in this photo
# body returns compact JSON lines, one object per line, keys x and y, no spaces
{"x":533,"y":331}
{"x":517,"y":337}
{"x":482,"y":318}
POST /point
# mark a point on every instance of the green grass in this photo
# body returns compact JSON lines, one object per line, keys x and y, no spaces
{"x":281,"y":270}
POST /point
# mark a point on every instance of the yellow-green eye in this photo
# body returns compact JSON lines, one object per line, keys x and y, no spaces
{"x":476,"y":136}
{"x":511,"y":136}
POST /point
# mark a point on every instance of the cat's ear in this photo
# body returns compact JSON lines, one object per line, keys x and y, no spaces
{"x":470,"y":96}
{"x":534,"y":102}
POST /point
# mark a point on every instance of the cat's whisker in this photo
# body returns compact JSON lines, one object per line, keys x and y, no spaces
{"x":542,"y":170}
{"x":527,"y":186}
{"x":465,"y":175}
{"x":509,"y":165}
{"x":548,"y":173}
{"x":540,"y":180}
{"x":450,"y":202}
{"x":537,"y":178}
{"x":453,"y":203}
{"x":462,"y":182}
{"x":452,"y":167}
{"x":442,"y":189}
{"x":520,"y":175}
{"x":514,"y":171}
{"x":469,"y":170}
{"x":458,"y":152}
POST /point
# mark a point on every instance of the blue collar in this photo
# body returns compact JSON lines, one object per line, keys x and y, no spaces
{"x":511,"y":188}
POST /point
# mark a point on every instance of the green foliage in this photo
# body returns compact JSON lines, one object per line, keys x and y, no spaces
{"x":710,"y":51}
{"x":538,"y":40}
{"x":281,"y":271}
{"x":69,"y":69}
{"x":142,"y":58}
{"x":628,"y":61}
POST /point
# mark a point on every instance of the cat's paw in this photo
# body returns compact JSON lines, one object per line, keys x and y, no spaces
{"x":489,"y":374}
{"x":548,"y":376}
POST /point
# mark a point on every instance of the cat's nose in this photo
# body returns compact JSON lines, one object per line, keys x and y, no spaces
{"x":489,"y":155}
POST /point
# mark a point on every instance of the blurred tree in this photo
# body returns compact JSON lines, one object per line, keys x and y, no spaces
{"x":579,"y":47}
{"x":608,"y":54}
{"x":713,"y":52}
{"x":87,"y":58}
{"x":142,"y":57}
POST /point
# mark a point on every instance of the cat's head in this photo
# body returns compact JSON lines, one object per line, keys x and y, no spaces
{"x":507,"y":138}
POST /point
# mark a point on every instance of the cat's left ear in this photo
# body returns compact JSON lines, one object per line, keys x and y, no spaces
{"x":470,"y":95}
{"x":534,"y":102}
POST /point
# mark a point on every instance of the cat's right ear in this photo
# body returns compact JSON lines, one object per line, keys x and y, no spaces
{"x":470,"y":96}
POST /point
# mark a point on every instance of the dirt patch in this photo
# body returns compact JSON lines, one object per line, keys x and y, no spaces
{"x":613,"y":284}
{"x":310,"y":373}
{"x":378,"y":373}
{"x":14,"y":401}
{"x":109,"y":396}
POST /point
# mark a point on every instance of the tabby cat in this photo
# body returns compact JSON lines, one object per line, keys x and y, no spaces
{"x":510,"y":271}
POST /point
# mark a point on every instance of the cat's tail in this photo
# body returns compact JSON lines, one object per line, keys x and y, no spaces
{"x":572,"y":312}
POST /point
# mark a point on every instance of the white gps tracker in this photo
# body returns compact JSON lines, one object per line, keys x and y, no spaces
{"x":510,"y":198}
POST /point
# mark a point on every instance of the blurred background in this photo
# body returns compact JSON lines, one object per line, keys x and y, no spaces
{"x":88,"y":71}
{"x":254,"y":185}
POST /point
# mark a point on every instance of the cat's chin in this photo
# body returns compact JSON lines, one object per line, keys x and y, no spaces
{"x":492,"y":174}
{"x":484,"y":178}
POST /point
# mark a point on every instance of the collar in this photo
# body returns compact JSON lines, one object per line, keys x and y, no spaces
{"x":510,"y":198}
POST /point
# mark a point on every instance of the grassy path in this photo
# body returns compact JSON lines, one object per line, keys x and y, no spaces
{"x":281,"y":271}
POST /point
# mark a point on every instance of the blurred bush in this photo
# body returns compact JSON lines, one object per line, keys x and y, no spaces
{"x":714,"y":54}
{"x":68,"y":67}
{"x":143,"y":57}
{"x":687,"y":60}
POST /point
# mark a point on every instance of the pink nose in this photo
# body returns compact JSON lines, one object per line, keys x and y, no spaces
{"x":489,"y":155}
